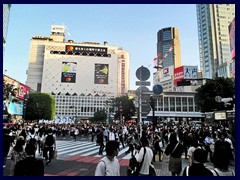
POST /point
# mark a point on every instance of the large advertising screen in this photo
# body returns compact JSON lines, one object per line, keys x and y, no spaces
{"x":69,"y":72}
{"x":23,"y":89}
{"x":15,"y":109}
{"x":231,"y":29}
{"x":101,"y":74}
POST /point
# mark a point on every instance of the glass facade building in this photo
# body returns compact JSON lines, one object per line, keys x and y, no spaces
{"x":214,"y":46}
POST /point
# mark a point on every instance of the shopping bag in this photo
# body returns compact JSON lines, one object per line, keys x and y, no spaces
{"x":54,"y":154}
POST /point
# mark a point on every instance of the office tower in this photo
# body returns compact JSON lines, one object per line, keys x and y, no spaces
{"x":6,"y":15}
{"x":214,"y":46}
{"x":167,"y":38}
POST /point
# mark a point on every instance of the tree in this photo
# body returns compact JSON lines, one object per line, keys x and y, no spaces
{"x":124,"y":106}
{"x":100,"y":116}
{"x":40,"y":106}
{"x":205,"y":97}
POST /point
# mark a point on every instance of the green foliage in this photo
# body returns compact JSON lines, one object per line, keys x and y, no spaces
{"x":205,"y":97}
{"x":124,"y":106}
{"x":99,"y":116}
{"x":40,"y":106}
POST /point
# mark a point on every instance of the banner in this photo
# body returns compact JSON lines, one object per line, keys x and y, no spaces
{"x":69,"y":72}
{"x":14,"y":108}
{"x":101,"y":73}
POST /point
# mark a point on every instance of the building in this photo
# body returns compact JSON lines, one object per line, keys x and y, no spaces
{"x":169,"y":57}
{"x":175,"y":105}
{"x":231,"y":28}
{"x":214,"y":46}
{"x":77,"y":72}
{"x":14,"y":103}
{"x":167,"y":38}
{"x":6,"y":16}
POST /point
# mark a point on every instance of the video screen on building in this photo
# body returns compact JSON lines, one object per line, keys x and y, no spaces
{"x":101,"y":73}
{"x":69,"y":70}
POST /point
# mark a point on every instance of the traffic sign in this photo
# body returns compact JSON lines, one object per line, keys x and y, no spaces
{"x":157,"y":89}
{"x":143,"y":73}
{"x":143,"y":83}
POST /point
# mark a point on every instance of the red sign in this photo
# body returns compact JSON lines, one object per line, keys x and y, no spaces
{"x":23,"y":89}
{"x":178,"y":74}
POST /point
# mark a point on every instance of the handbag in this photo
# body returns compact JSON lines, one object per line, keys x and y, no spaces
{"x":152,"y":171}
{"x":54,"y":155}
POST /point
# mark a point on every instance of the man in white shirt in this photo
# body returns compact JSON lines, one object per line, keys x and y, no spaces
{"x":109,"y":165}
{"x":144,"y":171}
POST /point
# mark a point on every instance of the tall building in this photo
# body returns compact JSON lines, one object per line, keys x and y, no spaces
{"x":77,"y":73}
{"x":167,"y":38}
{"x":214,"y":46}
{"x":169,"y":57}
{"x":6,"y":15}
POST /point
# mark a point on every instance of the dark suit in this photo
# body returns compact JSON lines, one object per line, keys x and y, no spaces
{"x":30,"y":166}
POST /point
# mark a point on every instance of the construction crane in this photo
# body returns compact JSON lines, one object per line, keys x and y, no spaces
{"x":159,"y":62}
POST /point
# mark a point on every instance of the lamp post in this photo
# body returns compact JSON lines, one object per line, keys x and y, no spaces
{"x":108,"y":105}
{"x":26,"y":96}
{"x":75,"y":121}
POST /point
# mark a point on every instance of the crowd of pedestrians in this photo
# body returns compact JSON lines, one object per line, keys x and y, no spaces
{"x":192,"y":142}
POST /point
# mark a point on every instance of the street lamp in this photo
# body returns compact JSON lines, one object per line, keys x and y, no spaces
{"x":75,"y":112}
{"x":108,"y":105}
{"x":26,"y":96}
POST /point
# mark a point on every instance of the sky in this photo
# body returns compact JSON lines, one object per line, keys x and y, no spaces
{"x":133,"y":27}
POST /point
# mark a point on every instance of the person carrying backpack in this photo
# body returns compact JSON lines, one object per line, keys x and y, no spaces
{"x":30,"y":166}
{"x":49,"y":145}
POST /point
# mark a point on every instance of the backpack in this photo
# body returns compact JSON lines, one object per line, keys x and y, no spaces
{"x":49,"y":140}
{"x":32,"y":140}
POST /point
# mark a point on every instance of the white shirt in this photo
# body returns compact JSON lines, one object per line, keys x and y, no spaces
{"x":108,"y":168}
{"x":147,"y":159}
{"x":111,"y":136}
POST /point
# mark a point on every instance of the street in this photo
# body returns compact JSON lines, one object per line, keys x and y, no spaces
{"x":80,"y":158}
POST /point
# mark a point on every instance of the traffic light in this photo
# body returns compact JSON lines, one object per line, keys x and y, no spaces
{"x":184,"y":82}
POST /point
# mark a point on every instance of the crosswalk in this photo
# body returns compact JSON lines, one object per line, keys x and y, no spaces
{"x":66,"y":149}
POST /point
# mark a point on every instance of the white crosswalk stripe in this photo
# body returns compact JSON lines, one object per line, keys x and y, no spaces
{"x":83,"y":148}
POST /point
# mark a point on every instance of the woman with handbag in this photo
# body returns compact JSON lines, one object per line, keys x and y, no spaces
{"x":175,"y":150}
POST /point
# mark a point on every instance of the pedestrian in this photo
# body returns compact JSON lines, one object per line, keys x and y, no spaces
{"x":207,"y":143}
{"x":76,"y":133}
{"x":193,"y":145}
{"x":100,"y":140}
{"x":175,"y":150}
{"x":197,"y":168}
{"x":145,"y":157}
{"x":30,"y":166}
{"x":17,"y":153}
{"x":157,"y":149}
{"x":109,"y":165}
{"x":7,"y":141}
{"x":49,"y":145}
{"x":222,"y":156}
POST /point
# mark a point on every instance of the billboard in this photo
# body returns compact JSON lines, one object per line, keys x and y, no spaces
{"x":23,"y":89}
{"x":15,"y":109}
{"x":19,"y":89}
{"x":86,"y":49}
{"x":69,"y":72}
{"x":166,"y":73}
{"x":101,"y":74}
{"x":190,"y":72}
{"x":178,"y":74}
{"x":57,"y":29}
{"x":231,"y":29}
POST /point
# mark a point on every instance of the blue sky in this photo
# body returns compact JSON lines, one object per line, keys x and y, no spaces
{"x":133,"y":27}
